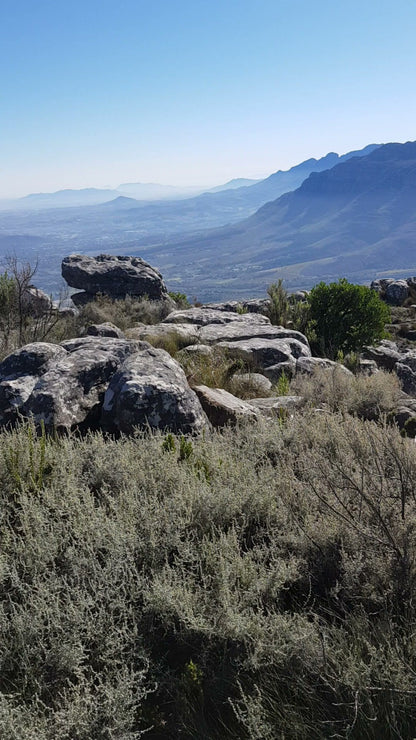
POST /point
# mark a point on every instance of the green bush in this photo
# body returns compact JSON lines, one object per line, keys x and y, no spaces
{"x":346,"y":317}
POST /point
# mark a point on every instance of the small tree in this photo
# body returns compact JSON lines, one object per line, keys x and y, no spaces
{"x":346,"y":317}
{"x":8,"y":307}
{"x":21,"y":273}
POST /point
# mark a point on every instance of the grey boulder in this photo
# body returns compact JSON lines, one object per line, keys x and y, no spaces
{"x":19,"y":373}
{"x":255,"y":383}
{"x":397,"y":292}
{"x":264,"y":353}
{"x":107,"y":329}
{"x":406,"y":372}
{"x":36,"y":302}
{"x":205,"y":316}
{"x":222,"y":407}
{"x":385,"y":355}
{"x":70,"y":393}
{"x":150,"y":390}
{"x":238,"y":331}
{"x":308,"y":365}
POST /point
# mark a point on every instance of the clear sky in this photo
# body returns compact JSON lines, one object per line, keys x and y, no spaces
{"x":99,"y":92}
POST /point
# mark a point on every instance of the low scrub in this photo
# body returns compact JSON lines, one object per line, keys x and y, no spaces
{"x":253,"y":583}
{"x":369,"y":397}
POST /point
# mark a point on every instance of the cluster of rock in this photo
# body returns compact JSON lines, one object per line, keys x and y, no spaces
{"x":106,"y":381}
{"x":97,"y":382}
{"x":115,"y":276}
{"x":395,"y":292}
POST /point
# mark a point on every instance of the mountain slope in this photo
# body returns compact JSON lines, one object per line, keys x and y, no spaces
{"x":356,"y":219}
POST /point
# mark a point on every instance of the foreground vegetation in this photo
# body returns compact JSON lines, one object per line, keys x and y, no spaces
{"x":256,"y":583}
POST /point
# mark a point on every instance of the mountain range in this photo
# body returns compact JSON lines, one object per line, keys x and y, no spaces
{"x":352,"y":215}
{"x":357,"y":219}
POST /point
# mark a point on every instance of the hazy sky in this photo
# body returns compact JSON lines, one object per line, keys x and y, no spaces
{"x":99,"y":92}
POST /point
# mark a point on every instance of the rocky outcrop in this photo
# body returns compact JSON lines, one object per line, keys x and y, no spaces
{"x":64,"y":387}
{"x":150,"y":390}
{"x":254,"y":305}
{"x":114,"y":276}
{"x":240,"y":331}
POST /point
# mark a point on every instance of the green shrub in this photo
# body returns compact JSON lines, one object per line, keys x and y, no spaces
{"x":279,"y":303}
{"x":180,"y":299}
{"x":346,"y":317}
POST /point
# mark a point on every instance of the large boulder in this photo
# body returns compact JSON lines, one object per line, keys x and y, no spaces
{"x":393,"y":291}
{"x":150,"y":390}
{"x":115,"y":276}
{"x":60,"y":385}
{"x":70,"y":393}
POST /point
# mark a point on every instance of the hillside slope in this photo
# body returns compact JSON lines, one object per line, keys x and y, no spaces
{"x":356,"y":219}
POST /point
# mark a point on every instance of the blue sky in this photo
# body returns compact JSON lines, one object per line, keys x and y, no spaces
{"x":95,"y":93}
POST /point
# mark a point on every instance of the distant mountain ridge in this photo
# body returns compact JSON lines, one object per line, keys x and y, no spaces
{"x":325,"y":228}
{"x":356,"y":219}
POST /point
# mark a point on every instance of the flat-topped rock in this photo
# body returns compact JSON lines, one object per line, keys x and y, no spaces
{"x":115,"y":276}
{"x":222,"y":408}
{"x":205,"y":316}
{"x":236,"y":331}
